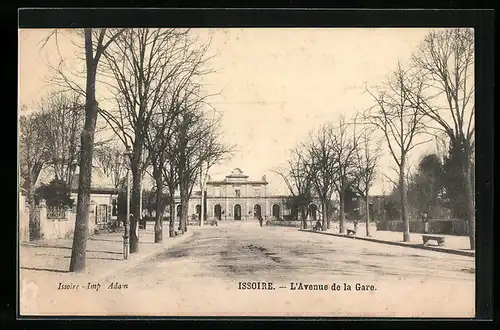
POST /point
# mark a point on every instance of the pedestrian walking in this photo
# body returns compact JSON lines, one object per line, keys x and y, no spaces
{"x":261,"y":220}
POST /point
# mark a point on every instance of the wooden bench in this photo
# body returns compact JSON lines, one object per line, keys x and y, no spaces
{"x":441,"y":240}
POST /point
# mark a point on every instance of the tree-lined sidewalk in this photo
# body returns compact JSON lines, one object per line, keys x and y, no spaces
{"x":454,"y":244}
{"x":104,"y":255}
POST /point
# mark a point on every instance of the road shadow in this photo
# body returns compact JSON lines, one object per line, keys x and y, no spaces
{"x":46,"y":246}
{"x":379,"y":254}
{"x":468,"y":270}
{"x":106,"y":240}
{"x":92,"y":251}
{"x":97,"y":258}
{"x":176,"y":253}
{"x":45,"y":269}
{"x":353,"y":262}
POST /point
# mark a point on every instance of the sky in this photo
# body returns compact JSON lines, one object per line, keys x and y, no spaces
{"x":276,"y":85}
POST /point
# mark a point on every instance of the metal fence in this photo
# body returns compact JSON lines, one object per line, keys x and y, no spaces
{"x":284,"y":223}
{"x":457,"y":227}
{"x":58,"y":213}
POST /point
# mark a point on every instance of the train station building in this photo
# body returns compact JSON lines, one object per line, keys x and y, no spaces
{"x":239,"y":198}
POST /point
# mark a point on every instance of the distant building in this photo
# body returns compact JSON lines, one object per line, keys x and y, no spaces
{"x":236,"y":198}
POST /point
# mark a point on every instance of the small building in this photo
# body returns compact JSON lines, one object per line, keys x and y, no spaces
{"x":102,"y":202}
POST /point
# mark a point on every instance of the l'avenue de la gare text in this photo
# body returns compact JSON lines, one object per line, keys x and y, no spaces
{"x":302,"y":286}
{"x":94,"y":286}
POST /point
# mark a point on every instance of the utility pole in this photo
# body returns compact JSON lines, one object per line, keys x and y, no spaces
{"x":140,"y":205}
{"x":126,"y":238}
{"x":127,"y":221}
{"x":202,"y":212}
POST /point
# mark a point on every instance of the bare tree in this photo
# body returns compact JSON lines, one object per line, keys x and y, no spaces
{"x":197,"y":138}
{"x":65,"y":115}
{"x":345,"y":145}
{"x":170,"y":179}
{"x":96,"y":42}
{"x":320,"y":163}
{"x":367,"y":156}
{"x":213,"y":150}
{"x":400,"y":121}
{"x":158,"y":144}
{"x":297,"y":178}
{"x":111,"y":162}
{"x":33,"y":153}
{"x":142,"y":65}
{"x":446,"y":61}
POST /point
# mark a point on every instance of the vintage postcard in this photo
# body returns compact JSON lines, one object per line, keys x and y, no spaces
{"x":308,"y":172}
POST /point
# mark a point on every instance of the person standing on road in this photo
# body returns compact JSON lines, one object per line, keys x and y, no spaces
{"x":261,"y":220}
{"x":425,"y":222}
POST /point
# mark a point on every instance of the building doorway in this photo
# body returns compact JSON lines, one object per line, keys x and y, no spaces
{"x":237,"y":212}
{"x":198,"y":211}
{"x":217,"y":211}
{"x":313,"y":211}
{"x":257,"y":211}
{"x":276,"y":211}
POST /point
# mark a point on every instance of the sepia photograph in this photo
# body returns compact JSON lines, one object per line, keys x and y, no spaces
{"x":250,"y":172}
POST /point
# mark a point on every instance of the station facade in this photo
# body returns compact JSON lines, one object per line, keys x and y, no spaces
{"x":237,"y":198}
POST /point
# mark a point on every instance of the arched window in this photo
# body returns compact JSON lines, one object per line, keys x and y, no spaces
{"x":257,"y":211}
{"x":276,"y":211}
{"x":237,"y":212}
{"x":217,"y":211}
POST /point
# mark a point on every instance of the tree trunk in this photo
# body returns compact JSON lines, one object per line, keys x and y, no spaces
{"x":323,"y":215}
{"x":341,"y":212}
{"x":159,"y":210}
{"x":367,"y":214}
{"x":77,"y":263}
{"x":134,"y":209}
{"x":327,"y":214}
{"x":402,"y":191}
{"x":184,"y":214}
{"x":471,"y":212}
{"x":171,"y":220}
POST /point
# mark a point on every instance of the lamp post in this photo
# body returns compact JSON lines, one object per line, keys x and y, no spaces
{"x":202,"y":188}
{"x":140,"y":207}
{"x":126,"y":238}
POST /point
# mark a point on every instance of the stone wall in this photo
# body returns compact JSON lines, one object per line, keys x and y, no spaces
{"x":24,"y":227}
{"x":60,"y":224}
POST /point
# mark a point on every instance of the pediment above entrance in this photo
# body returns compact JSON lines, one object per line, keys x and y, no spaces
{"x":237,"y":173}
